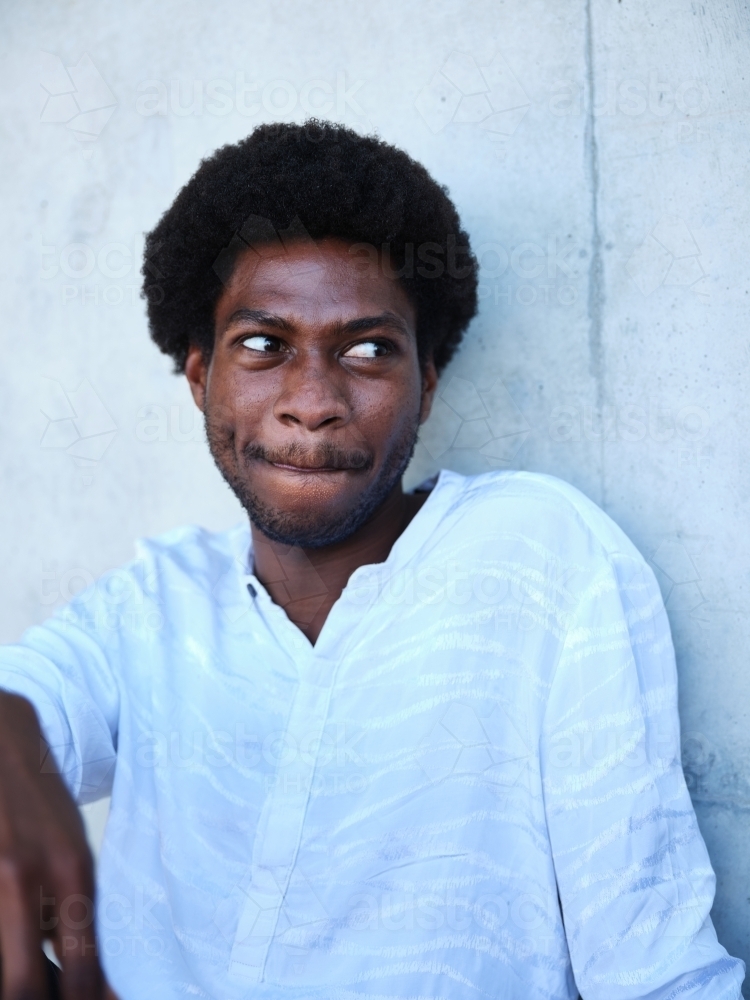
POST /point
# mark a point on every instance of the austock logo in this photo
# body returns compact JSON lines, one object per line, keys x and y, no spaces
{"x":669,"y":257}
{"x":75,"y":96}
{"x":464,"y":93}
{"x":78,"y":423}
{"x":463,"y":743}
{"x":485,"y":421}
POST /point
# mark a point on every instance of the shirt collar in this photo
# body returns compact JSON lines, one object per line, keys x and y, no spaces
{"x":447,"y":485}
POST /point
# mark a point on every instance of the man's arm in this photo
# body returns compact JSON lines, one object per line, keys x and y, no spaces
{"x":635,"y":880}
{"x":59,"y":706}
{"x":46,"y":870}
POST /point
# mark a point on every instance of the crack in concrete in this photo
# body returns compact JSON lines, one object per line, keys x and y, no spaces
{"x":596,"y":266}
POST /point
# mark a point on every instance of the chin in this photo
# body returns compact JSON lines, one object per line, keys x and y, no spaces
{"x":310,"y":498}
{"x":309,"y":516}
{"x":303,"y":530}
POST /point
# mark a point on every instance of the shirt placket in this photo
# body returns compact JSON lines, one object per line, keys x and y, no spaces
{"x":282,"y":817}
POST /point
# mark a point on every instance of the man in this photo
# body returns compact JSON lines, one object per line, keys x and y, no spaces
{"x":371,"y":744}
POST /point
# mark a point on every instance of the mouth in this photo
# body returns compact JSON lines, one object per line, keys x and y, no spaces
{"x":310,"y":469}
{"x":318,"y":462}
{"x":307,"y":469}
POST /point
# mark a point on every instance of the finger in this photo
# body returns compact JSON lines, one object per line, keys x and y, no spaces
{"x":23,"y":972}
{"x":75,"y":945}
{"x":73,"y":930}
{"x":82,"y":981}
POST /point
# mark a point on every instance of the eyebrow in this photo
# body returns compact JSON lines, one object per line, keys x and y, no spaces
{"x":361,"y":325}
{"x":258,"y":316}
{"x":366,"y":323}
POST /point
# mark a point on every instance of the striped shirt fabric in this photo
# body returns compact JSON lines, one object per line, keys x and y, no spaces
{"x":469,"y":787}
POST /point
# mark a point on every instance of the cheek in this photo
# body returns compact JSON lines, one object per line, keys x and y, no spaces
{"x":387,"y":414}
{"x":236,"y":403}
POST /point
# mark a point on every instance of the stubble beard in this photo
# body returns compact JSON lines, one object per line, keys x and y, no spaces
{"x":311,"y":529}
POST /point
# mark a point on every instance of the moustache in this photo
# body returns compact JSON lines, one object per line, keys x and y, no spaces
{"x":324,"y":456}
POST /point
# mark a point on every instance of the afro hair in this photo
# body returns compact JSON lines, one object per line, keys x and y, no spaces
{"x":308,"y":181}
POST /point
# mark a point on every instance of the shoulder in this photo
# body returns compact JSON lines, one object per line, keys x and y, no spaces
{"x":539,"y":508}
{"x":548,"y":534}
{"x":192,"y":545}
{"x":165,"y":566}
{"x":194,"y":552}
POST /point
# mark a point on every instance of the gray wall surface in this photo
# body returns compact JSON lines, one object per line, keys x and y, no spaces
{"x":598,"y":154}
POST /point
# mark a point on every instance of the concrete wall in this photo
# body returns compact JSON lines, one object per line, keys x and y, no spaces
{"x":598,"y":155}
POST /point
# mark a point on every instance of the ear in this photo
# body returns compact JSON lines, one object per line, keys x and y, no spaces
{"x":429,"y":385}
{"x":196,"y":372}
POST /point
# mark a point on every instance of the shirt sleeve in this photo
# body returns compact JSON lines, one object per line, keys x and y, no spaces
{"x":64,"y":668}
{"x":634,"y":877}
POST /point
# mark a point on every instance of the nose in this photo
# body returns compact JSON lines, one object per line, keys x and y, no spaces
{"x":311,"y":397}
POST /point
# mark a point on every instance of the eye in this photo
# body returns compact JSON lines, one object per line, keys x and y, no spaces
{"x":262,"y":343}
{"x":367,"y":349}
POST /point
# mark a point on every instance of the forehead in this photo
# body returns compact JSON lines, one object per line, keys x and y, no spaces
{"x":325,"y":280}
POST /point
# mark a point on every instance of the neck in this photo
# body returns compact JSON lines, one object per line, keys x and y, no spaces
{"x":306,"y":583}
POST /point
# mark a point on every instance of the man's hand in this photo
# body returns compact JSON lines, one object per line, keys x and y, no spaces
{"x":46,"y":869}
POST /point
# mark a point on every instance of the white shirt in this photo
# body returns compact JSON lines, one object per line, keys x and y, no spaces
{"x":488,"y":719}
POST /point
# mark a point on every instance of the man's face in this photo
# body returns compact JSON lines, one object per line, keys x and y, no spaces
{"x":313,"y":395}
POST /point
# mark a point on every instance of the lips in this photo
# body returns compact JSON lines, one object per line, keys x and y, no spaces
{"x":325,"y":458}
{"x":307,"y":468}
